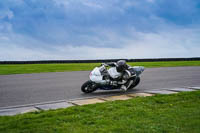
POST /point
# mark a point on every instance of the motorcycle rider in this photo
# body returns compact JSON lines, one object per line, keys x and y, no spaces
{"x":116,"y":71}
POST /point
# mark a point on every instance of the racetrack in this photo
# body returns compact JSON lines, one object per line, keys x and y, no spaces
{"x":43,"y":87}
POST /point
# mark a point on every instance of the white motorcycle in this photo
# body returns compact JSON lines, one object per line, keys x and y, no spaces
{"x":106,"y":78}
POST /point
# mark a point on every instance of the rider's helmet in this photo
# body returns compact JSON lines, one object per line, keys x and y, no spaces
{"x":121,"y":66}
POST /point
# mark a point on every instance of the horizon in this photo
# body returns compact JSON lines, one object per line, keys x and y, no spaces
{"x":128,"y":60}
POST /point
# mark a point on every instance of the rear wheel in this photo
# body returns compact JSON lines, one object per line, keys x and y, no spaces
{"x":88,"y":87}
{"x":135,"y":83}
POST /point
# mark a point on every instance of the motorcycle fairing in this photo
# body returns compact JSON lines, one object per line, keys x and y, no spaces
{"x":96,"y":76}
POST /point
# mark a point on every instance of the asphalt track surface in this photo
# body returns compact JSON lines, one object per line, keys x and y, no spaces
{"x":23,"y":89}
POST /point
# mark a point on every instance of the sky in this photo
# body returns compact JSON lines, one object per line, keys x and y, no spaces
{"x":98,"y":29}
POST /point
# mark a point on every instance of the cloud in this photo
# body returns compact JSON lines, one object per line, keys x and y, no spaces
{"x":6,"y":14}
{"x":76,"y":29}
{"x":147,"y":45}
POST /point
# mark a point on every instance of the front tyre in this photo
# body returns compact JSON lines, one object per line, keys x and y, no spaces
{"x":88,"y":87}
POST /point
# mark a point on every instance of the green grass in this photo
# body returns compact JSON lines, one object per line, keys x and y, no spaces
{"x":158,"y":114}
{"x":38,"y":68}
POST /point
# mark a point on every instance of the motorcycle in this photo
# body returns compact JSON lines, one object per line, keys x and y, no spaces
{"x":99,"y":75}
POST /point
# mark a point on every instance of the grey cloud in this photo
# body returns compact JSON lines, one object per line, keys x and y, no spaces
{"x":149,"y":45}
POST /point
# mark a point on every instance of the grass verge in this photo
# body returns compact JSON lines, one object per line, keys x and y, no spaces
{"x":157,"y":114}
{"x":38,"y":68}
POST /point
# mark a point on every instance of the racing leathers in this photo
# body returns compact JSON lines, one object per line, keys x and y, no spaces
{"x":112,"y":73}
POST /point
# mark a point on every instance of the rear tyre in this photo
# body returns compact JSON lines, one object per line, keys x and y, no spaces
{"x":88,"y":87}
{"x":134,"y":84}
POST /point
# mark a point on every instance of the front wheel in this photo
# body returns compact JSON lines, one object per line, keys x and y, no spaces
{"x":88,"y":87}
{"x":135,"y":83}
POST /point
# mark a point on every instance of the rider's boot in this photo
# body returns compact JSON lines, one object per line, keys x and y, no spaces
{"x":124,"y":88}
